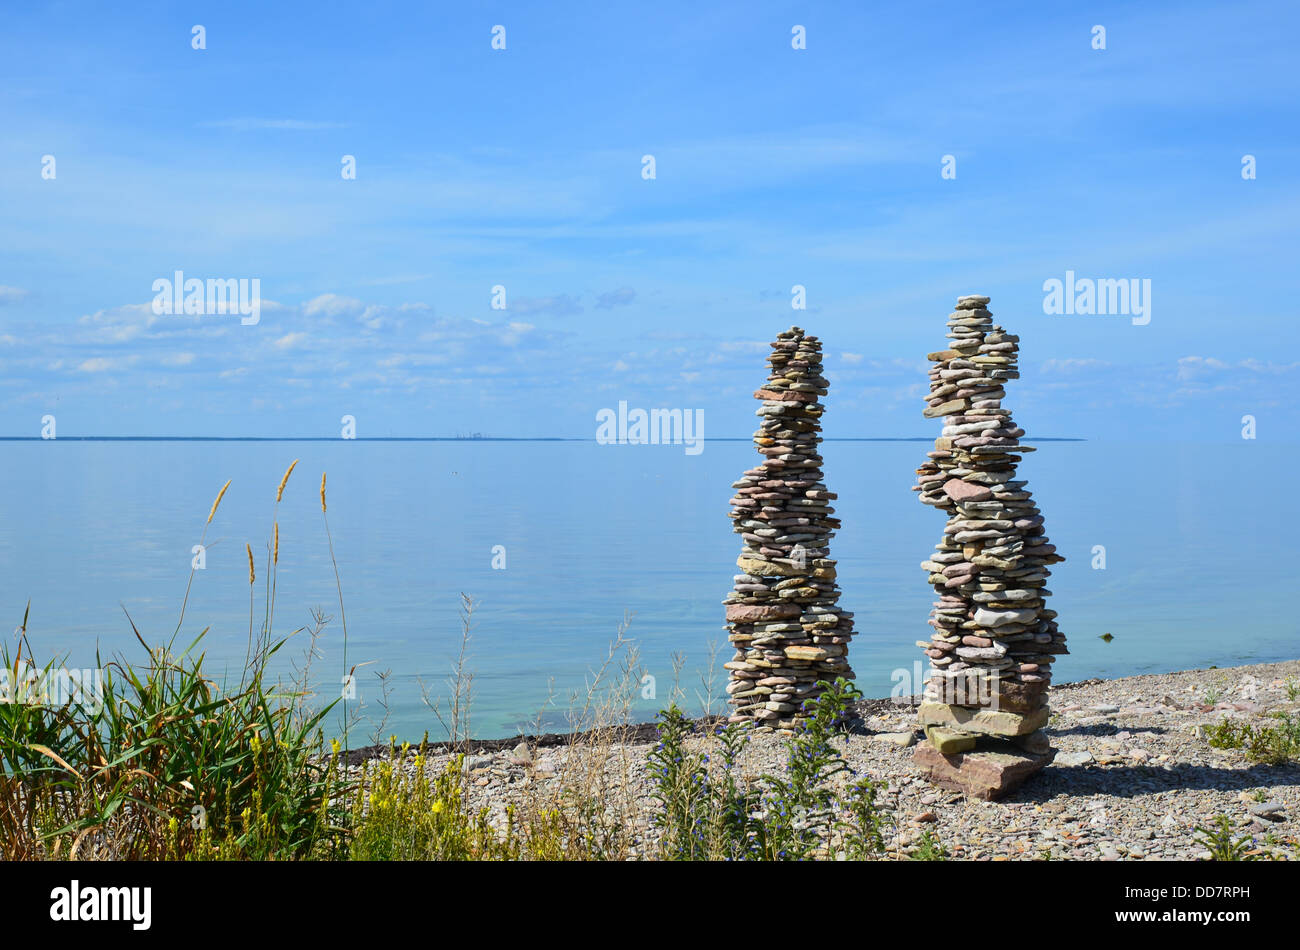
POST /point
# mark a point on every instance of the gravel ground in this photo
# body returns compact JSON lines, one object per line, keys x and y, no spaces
{"x":1133,"y":776}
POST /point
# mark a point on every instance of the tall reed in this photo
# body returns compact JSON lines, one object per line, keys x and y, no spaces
{"x":273,"y":568}
{"x":202,"y":542}
{"x":347,"y":674}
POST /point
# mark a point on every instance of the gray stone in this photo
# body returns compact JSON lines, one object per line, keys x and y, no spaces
{"x":901,"y":740}
{"x":1074,"y":760}
{"x":996,"y":618}
{"x":1274,"y":811}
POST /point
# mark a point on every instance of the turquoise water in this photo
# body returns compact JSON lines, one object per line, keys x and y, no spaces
{"x":1195,"y":565}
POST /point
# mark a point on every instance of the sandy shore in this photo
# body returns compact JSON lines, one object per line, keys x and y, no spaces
{"x":1133,"y":777}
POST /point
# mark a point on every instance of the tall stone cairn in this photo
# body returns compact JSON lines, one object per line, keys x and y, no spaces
{"x":790,"y":635}
{"x":994,"y":639}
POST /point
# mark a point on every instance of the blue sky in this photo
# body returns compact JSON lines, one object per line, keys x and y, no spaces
{"x":522,"y":168}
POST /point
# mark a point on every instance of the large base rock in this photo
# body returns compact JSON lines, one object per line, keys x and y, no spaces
{"x":985,"y":773}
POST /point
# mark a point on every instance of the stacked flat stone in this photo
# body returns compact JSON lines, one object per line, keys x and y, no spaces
{"x":790,"y":635}
{"x":994,"y":637}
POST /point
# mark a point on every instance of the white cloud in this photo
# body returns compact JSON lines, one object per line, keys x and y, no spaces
{"x":1257,"y":366}
{"x":103,"y":364}
{"x":332,"y":305}
{"x":615,"y":298}
{"x":329,"y":342}
{"x":1196,"y":367}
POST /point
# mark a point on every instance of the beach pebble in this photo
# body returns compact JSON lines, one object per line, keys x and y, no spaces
{"x":901,"y":740}
{"x":521,"y":755}
{"x":1272,"y":810}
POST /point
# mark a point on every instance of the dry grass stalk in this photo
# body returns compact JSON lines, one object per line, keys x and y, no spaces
{"x":202,"y":541}
{"x":279,"y":492}
{"x":456,"y":722}
{"x":342,"y":612}
{"x":592,"y":792}
{"x":709,"y":681}
{"x":216,"y":503}
{"x":252,"y":580}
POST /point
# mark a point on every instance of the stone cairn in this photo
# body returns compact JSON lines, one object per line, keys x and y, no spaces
{"x":790,"y":636}
{"x":985,"y":701}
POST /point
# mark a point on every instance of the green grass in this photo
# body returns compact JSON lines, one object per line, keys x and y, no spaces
{"x":1268,"y":744}
{"x":398,"y":814}
{"x":168,"y":764}
{"x":930,"y":848}
{"x":1222,"y":844}
{"x":706,"y":812}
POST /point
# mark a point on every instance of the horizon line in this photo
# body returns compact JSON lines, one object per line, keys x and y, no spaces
{"x":442,"y":438}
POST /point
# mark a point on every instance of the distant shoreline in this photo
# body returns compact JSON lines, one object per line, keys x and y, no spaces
{"x":436,"y":438}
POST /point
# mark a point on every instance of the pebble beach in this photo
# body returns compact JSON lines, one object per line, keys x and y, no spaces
{"x":1133,"y":778}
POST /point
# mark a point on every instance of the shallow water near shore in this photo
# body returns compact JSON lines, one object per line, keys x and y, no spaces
{"x":1194,"y":566}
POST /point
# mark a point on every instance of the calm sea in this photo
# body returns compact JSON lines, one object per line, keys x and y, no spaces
{"x":592,"y":534}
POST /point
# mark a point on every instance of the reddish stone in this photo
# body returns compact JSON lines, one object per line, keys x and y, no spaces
{"x":959,"y":490}
{"x":785,"y":396}
{"x":753,"y":613}
{"x":982,"y":773}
